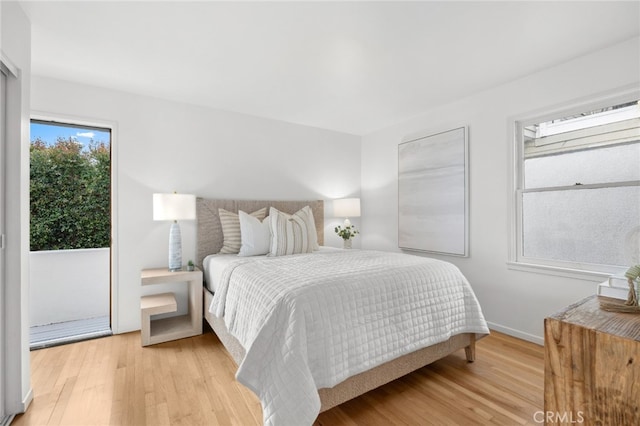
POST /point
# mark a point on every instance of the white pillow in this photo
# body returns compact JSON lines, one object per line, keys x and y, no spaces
{"x":289,"y":233}
{"x":231,"y":229}
{"x":255,"y":235}
{"x":307,"y":214}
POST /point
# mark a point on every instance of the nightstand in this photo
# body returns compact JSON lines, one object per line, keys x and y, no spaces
{"x":172,"y":328}
{"x":592,"y":365}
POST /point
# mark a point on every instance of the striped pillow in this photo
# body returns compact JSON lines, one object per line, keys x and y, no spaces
{"x":289,"y":233}
{"x":231,"y":229}
{"x":307,"y":214}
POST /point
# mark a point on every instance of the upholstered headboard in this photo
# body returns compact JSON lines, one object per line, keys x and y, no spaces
{"x":209,"y":230}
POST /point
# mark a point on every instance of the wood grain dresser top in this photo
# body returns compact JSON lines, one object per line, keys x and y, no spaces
{"x":587,"y":313}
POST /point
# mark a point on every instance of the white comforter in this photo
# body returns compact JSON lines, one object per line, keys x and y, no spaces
{"x":311,"y":321}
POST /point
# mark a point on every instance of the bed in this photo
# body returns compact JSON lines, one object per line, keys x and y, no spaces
{"x":288,"y":384}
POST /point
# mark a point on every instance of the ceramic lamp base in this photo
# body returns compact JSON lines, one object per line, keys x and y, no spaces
{"x":175,"y":248}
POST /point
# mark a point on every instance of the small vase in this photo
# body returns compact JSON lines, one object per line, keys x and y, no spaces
{"x":346,"y":244}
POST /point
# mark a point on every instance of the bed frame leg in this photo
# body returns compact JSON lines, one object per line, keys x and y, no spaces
{"x":470,"y":351}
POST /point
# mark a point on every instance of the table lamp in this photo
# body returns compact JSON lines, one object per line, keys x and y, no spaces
{"x":346,"y":207}
{"x":174,"y":207}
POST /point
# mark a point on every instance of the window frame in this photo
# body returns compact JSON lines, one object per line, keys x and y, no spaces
{"x":516,"y":258}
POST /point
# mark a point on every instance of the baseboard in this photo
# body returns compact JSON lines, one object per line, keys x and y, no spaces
{"x":516,"y":333}
{"x":27,"y":399}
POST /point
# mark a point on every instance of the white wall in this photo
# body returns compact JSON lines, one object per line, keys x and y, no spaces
{"x":15,"y":42}
{"x":513,"y":301}
{"x":68,"y":285}
{"x":165,"y":146}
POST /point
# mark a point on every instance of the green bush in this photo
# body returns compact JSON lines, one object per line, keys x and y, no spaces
{"x":70,"y":195}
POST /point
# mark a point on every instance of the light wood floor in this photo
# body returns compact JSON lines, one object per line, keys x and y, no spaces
{"x":115,"y":381}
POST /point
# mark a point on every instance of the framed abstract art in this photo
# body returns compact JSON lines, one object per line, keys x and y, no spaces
{"x":433,"y":193}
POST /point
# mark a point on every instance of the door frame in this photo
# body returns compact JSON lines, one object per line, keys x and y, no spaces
{"x":113,"y":256}
{"x":8,"y":383}
{"x":3,"y":120}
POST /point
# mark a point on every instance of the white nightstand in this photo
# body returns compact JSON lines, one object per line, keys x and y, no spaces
{"x":177,"y":327}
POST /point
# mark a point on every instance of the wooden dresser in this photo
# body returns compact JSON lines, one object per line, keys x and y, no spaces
{"x":592,"y":366}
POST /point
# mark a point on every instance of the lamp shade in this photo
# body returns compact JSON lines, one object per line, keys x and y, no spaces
{"x":174,"y":207}
{"x":346,"y":207}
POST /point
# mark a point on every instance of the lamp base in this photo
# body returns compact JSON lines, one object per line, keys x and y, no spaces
{"x":175,"y":248}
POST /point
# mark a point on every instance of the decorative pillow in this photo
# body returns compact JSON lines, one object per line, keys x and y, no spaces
{"x":231,"y":229}
{"x":289,"y":233}
{"x":307,"y":214}
{"x":255,"y":235}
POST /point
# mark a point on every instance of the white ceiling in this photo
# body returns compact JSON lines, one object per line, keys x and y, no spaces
{"x":353,"y":67}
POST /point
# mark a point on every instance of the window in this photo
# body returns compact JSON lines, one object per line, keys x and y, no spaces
{"x":70,"y":188}
{"x":577,"y":189}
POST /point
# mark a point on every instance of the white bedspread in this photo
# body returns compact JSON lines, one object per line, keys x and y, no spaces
{"x":311,"y":321}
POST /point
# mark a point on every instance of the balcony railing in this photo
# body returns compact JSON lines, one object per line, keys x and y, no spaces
{"x":69,"y":294}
